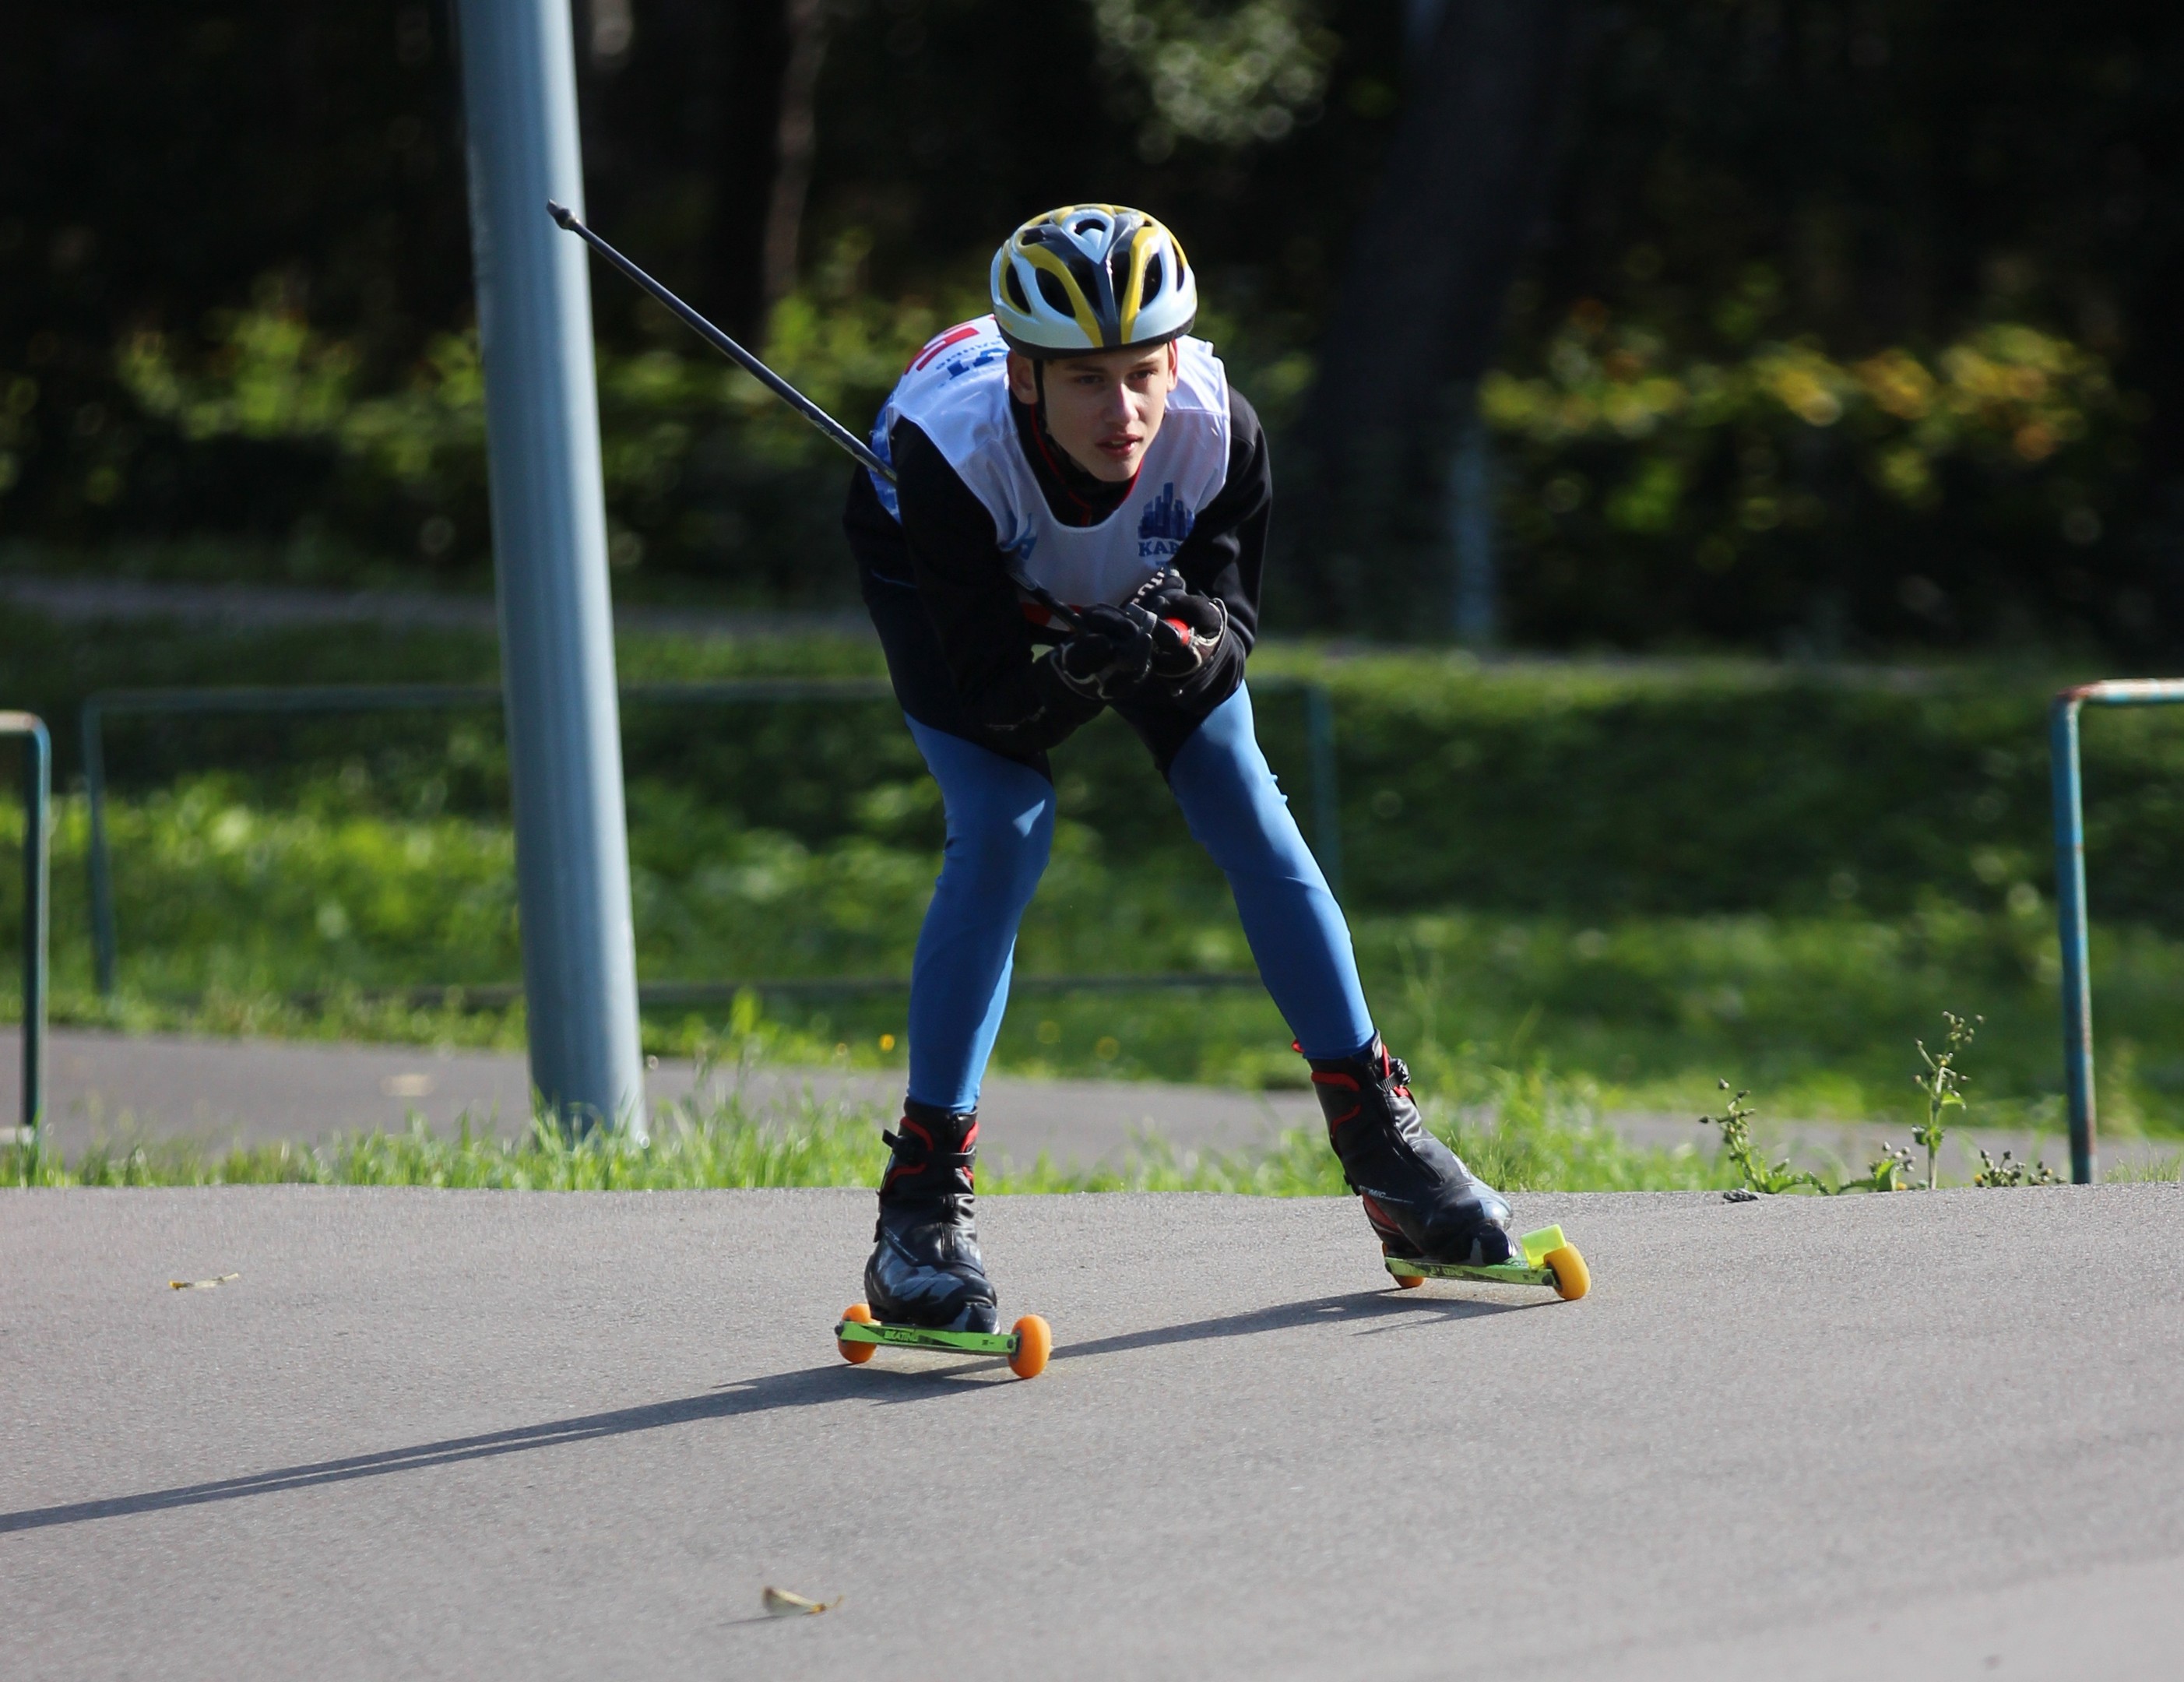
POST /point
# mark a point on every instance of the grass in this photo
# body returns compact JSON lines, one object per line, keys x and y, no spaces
{"x":233,"y":914}
{"x":1522,"y":1130}
{"x":2159,"y":1171}
{"x":1650,"y":874}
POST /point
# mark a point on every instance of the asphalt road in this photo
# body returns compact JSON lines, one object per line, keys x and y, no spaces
{"x":506,"y":1435}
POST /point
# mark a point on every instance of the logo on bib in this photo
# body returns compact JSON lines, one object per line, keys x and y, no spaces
{"x":956,"y":366}
{"x":1166,"y":524}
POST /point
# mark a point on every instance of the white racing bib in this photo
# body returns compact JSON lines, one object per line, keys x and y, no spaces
{"x":956,"y":391}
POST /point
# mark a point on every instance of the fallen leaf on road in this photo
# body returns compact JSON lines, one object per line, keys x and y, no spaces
{"x":202,"y":1284}
{"x":780,"y":1603}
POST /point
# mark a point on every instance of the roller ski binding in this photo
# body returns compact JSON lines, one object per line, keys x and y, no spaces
{"x":925,"y":1285}
{"x":1546,"y":1258}
{"x":1433,"y":1217}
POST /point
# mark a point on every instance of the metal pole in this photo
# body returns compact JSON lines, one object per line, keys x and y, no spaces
{"x":549,"y":561}
{"x":103,"y":939}
{"x":1473,"y":609}
{"x":38,"y":829}
{"x":2070,"y":918}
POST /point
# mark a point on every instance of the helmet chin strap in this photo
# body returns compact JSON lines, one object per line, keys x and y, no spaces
{"x":1064,"y":461}
{"x":1038,"y":385}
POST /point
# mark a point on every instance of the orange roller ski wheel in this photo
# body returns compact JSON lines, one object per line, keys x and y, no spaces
{"x":1572,"y":1277}
{"x":858,"y":1352}
{"x":1034,"y":1343}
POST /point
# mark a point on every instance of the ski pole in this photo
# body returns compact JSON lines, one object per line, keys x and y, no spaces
{"x":728,"y":346}
{"x":858,"y":450}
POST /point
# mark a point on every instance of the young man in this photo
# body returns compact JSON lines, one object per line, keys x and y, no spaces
{"x":1077,"y":439}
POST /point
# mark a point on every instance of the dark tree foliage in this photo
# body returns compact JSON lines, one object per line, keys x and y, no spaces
{"x":1872,"y":173}
{"x":157,"y":162}
{"x":1418,"y":312}
{"x":1877,"y":175}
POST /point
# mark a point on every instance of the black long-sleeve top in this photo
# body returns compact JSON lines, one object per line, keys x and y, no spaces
{"x":946,"y":549}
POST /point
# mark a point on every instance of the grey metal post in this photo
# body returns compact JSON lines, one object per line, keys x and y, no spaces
{"x":549,"y":560}
{"x":2071,"y":919}
{"x":103,"y":938}
{"x":2070,"y":892}
{"x":37,"y":875}
{"x":1474,"y":611}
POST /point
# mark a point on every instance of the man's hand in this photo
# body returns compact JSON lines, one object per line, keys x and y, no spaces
{"x":1111,"y":652}
{"x":1187,"y":628}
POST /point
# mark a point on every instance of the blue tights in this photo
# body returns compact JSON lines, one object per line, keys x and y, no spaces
{"x":1001,"y":826}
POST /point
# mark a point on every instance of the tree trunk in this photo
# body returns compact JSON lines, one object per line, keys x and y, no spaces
{"x":806,"y":22}
{"x":1417,"y":315}
{"x":749,"y":55}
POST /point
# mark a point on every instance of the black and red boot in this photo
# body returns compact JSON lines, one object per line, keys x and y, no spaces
{"x":1424,"y":1205}
{"x":925,"y":1269}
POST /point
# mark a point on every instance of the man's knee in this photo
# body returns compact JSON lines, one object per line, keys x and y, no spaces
{"x":1004,"y":844}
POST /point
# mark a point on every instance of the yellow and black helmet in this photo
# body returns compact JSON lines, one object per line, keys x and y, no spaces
{"x":1092,"y":277}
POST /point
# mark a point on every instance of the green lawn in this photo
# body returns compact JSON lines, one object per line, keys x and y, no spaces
{"x":1638,"y":876}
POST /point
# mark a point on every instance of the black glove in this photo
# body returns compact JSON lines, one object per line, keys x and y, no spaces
{"x":1110,"y":652}
{"x":1188,"y":627}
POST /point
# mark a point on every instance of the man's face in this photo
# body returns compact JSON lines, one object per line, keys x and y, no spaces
{"x":1104,"y":408}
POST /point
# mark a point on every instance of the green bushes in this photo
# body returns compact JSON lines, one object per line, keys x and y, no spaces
{"x":1759,"y":488}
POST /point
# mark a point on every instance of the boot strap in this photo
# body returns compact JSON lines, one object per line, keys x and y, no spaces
{"x":913,"y":1154}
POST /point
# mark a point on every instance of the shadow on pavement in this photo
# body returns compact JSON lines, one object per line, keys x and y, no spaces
{"x":806,"y":1387}
{"x":1354,"y":1308}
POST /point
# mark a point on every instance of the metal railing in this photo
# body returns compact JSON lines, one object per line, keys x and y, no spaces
{"x":358,"y":698}
{"x":37,"y":875}
{"x":2070,"y":891}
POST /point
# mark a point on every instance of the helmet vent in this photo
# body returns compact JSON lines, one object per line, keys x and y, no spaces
{"x":1053,"y":291}
{"x":1091,"y":277}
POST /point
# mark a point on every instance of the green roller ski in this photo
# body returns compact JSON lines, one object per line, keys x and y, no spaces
{"x":1025,"y":1345}
{"x":1550,"y":1260}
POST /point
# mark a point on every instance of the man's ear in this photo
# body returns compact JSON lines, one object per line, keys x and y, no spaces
{"x":1023,"y":384}
{"x":1174,"y":363}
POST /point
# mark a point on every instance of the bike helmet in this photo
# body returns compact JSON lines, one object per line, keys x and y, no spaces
{"x":1092,"y":277}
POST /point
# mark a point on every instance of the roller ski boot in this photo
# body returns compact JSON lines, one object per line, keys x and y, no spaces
{"x":1433,"y":1219}
{"x":925,"y":1285}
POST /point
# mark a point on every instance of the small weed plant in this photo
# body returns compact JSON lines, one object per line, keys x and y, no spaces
{"x":2010,"y":1171}
{"x":1942,"y":1081}
{"x":1735,"y":1124}
{"x":1943,"y":1084}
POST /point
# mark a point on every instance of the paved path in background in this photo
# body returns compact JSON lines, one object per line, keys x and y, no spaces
{"x":115,"y":1088}
{"x":259,"y":606}
{"x":519,"y":1435}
